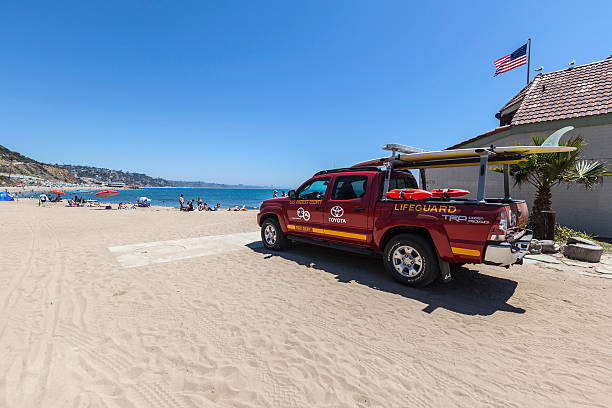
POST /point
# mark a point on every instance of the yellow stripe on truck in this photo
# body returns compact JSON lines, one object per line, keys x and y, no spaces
{"x":330,"y":232}
{"x":465,"y":251}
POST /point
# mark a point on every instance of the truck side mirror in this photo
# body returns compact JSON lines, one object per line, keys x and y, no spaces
{"x":292,"y":194}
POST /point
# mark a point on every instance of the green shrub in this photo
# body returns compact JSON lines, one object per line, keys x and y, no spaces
{"x":563,"y":233}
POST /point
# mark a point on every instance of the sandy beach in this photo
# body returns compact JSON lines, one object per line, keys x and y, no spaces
{"x":157,"y":308}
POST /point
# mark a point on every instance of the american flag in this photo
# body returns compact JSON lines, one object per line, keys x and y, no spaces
{"x":511,"y":61}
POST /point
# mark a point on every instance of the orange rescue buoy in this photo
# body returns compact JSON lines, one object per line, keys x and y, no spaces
{"x":408,"y":194}
{"x":449,"y":192}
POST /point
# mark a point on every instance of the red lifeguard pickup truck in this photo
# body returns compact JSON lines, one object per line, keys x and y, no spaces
{"x":419,"y":239}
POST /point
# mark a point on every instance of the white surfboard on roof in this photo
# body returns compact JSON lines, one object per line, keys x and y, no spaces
{"x":412,"y":155}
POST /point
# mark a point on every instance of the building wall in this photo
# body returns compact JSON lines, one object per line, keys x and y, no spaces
{"x":587,"y":210}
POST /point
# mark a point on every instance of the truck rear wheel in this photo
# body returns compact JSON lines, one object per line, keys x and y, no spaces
{"x":273,"y":236}
{"x":411,"y":260}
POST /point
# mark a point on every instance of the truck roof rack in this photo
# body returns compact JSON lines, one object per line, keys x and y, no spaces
{"x":348,"y":169}
{"x":415,"y":158}
{"x":400,"y":148}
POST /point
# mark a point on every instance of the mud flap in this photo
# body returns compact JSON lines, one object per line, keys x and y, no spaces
{"x":445,"y":272}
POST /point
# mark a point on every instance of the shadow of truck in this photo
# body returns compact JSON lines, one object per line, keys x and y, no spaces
{"x":469,"y":292}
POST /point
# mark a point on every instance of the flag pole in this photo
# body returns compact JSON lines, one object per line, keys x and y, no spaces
{"x":528,"y":59}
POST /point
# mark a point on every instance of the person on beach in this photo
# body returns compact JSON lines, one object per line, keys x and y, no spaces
{"x":182,"y":202}
{"x":190,"y":206}
{"x":275,"y":195}
{"x":43,"y":199}
{"x":199,"y":204}
{"x":218,"y":206}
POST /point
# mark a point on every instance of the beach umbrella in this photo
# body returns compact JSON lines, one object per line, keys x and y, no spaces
{"x":81,"y":192}
{"x":58,"y":192}
{"x":106,"y":193}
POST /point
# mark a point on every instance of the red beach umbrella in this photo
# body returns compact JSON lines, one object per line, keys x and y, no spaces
{"x":106,"y":193}
{"x":58,"y":192}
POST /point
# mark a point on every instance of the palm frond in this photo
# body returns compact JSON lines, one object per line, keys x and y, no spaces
{"x":587,"y":172}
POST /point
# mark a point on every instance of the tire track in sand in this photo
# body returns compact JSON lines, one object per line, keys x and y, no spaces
{"x":10,"y":300}
{"x":34,"y":378}
{"x":116,"y":369}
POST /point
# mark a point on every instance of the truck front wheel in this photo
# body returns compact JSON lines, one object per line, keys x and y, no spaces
{"x":273,"y":236}
{"x":411,"y":260}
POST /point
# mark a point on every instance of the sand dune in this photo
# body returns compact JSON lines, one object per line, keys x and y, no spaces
{"x":156,"y":308}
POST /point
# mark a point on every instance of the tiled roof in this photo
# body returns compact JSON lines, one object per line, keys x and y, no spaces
{"x":571,"y":93}
{"x":518,"y":97}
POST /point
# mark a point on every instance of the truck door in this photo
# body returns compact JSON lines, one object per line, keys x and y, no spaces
{"x":305,"y":212}
{"x":348,"y":208}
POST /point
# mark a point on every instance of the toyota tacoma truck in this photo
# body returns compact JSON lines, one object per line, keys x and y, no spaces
{"x":419,"y":239}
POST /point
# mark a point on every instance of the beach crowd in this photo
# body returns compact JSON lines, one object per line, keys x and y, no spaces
{"x":203,"y":206}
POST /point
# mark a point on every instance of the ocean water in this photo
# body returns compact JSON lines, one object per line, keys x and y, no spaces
{"x":168,"y":197}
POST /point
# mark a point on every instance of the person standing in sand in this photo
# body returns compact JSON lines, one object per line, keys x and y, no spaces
{"x":182,"y":201}
{"x":43,"y":199}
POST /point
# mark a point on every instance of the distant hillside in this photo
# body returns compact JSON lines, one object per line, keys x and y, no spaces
{"x":204,"y":184}
{"x":41,"y":173}
{"x":88,"y":174}
{"x":24,"y":166}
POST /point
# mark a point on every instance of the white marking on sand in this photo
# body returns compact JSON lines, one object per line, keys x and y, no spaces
{"x":596,"y":275}
{"x":135,"y":255}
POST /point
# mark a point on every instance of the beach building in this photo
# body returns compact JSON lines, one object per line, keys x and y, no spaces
{"x":579,"y":96}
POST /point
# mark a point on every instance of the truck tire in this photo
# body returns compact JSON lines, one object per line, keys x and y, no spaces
{"x":411,"y":259}
{"x":273,"y":236}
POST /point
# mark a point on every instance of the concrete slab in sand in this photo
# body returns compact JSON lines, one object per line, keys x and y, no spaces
{"x":135,"y":255}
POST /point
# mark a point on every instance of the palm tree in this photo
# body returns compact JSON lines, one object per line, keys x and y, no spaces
{"x":544,"y":171}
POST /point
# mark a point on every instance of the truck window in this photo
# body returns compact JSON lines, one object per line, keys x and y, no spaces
{"x":315,"y":190}
{"x":349,"y":187}
{"x":401,"y":181}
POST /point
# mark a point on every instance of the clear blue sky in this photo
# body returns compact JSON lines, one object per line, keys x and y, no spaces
{"x":268,"y":92}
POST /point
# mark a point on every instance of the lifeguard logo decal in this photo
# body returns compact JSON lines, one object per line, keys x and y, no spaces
{"x":431,"y":208}
{"x":303,"y":214}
